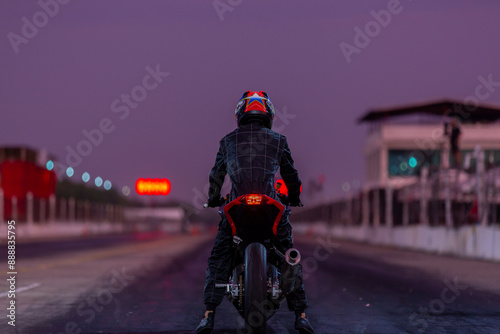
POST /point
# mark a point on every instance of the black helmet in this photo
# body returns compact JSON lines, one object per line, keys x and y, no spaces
{"x":252,"y":106}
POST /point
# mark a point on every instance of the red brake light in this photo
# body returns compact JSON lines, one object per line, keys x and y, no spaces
{"x":253,"y":199}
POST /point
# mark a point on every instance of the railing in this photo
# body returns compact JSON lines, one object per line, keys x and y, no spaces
{"x":30,"y":209}
{"x":449,"y":197}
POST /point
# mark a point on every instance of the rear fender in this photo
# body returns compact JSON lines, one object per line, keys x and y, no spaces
{"x":266,"y":201}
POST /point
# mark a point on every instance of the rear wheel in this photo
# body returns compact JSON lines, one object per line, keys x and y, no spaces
{"x":256,"y":288}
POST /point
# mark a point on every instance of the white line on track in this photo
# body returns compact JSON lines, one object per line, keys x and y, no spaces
{"x":24,"y":288}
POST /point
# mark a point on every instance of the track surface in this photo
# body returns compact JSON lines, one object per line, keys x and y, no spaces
{"x":349,"y":290}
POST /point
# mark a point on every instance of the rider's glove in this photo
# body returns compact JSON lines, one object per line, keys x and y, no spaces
{"x":295,"y":202}
{"x":283,"y":199}
{"x":215,"y":202}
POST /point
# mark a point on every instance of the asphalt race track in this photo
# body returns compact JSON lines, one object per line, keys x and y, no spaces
{"x":153,"y":284}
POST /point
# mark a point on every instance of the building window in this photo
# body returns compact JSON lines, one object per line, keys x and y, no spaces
{"x":491,"y":159}
{"x":409,"y":162}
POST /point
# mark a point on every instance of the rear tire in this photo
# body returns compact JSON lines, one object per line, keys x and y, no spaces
{"x":256,"y":288}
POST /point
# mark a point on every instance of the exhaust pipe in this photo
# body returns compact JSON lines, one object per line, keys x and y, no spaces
{"x":292,"y":257}
{"x":289,"y":271}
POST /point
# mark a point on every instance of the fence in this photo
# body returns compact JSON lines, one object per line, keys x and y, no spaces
{"x":448,"y":197}
{"x":30,"y":209}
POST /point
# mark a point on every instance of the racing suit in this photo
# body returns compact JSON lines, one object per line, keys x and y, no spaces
{"x":251,"y":155}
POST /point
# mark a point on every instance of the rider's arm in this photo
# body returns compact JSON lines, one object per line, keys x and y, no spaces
{"x":217,"y":174}
{"x":290,"y":175}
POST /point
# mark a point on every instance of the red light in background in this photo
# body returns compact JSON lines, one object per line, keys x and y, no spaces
{"x":152,"y":186}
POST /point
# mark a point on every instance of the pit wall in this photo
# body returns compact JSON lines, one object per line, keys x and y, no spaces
{"x":468,"y":241}
{"x":56,"y":230}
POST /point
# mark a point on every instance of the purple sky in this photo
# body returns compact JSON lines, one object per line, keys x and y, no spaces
{"x":66,"y":77}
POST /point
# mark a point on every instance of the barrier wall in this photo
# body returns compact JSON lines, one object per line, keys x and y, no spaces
{"x":55,"y":230}
{"x":481,"y":242}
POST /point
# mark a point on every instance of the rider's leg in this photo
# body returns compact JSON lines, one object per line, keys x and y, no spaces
{"x":296,"y":300}
{"x":217,"y":272}
{"x":218,"y":267}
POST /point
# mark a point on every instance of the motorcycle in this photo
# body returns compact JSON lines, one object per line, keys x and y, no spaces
{"x":261,"y":276}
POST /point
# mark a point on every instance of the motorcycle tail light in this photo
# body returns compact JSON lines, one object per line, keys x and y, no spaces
{"x":253,"y":199}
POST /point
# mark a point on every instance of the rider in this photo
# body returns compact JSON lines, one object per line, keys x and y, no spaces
{"x":251,"y":155}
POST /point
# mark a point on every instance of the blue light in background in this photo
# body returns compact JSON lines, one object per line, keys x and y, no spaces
{"x":394,"y":169}
{"x":107,"y":184}
{"x":70,"y":171}
{"x":412,"y":162}
{"x":98,"y":181}
{"x":50,"y":165}
{"x":85,"y":177}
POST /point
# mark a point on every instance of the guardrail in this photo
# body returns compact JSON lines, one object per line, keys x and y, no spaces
{"x":449,"y":197}
{"x":30,"y":209}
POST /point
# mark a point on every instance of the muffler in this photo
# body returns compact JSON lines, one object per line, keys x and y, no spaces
{"x":289,"y":271}
{"x":292,"y":256}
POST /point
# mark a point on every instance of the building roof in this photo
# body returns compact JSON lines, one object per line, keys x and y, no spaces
{"x":451,"y":108}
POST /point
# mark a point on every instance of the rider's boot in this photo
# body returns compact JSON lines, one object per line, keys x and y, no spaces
{"x":207,"y":324}
{"x":302,"y":324}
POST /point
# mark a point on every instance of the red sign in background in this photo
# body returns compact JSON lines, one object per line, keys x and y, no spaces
{"x":152,"y":186}
{"x":20,"y":177}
